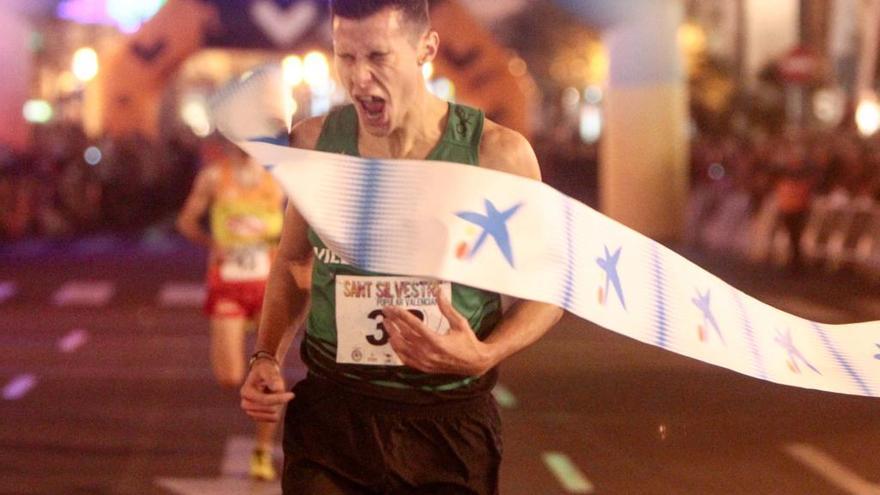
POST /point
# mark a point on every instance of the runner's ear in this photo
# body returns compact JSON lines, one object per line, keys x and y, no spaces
{"x":429,"y":45}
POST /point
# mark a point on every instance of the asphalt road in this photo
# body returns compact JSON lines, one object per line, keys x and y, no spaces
{"x":107,"y":390}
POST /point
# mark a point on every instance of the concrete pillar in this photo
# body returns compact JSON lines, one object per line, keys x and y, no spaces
{"x":644,"y":155}
{"x":15,"y":77}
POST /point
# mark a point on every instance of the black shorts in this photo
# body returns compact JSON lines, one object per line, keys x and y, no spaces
{"x":340,"y":442}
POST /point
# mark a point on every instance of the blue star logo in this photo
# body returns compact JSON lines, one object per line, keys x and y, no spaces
{"x":704,"y":304}
{"x":787,"y":343}
{"x":609,"y":265}
{"x":494,"y":224}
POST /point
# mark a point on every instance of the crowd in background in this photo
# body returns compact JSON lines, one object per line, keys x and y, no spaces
{"x":769,"y":196}
{"x":748,"y":194}
{"x":59,"y":189}
{"x":54,"y":191}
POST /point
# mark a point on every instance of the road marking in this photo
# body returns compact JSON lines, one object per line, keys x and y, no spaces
{"x":504,"y":397}
{"x":834,"y":472}
{"x":157,"y":241}
{"x":7,"y":291}
{"x":218,"y":486}
{"x":234,"y":471}
{"x":84,"y":293}
{"x":568,"y":475}
{"x":19,"y":386}
{"x":182,"y":294}
{"x":73,"y":340}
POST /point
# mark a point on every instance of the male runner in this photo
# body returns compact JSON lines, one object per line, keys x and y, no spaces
{"x":403,"y":409}
{"x":246,"y":214}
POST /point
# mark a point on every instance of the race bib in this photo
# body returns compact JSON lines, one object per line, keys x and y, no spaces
{"x":362,"y":337}
{"x":246,"y":263}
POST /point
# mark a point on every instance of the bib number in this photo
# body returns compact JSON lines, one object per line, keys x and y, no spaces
{"x":360,"y":328}
{"x":380,"y":336}
{"x":245,"y":263}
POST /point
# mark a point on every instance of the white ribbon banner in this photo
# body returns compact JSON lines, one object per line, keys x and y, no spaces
{"x":519,"y":237}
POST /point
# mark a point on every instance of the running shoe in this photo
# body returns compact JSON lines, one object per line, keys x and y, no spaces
{"x":262,"y":467}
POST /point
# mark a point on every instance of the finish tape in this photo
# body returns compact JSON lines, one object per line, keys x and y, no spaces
{"x":520,"y":237}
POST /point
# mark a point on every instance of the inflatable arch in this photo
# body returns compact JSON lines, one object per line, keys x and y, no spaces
{"x":136,"y":72}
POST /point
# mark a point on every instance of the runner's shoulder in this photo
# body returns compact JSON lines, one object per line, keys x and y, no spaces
{"x":506,"y":150}
{"x":306,"y":132}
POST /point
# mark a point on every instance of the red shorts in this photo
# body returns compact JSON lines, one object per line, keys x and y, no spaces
{"x":233,"y":299}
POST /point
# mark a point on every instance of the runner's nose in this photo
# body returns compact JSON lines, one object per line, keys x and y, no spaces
{"x":362,"y":75}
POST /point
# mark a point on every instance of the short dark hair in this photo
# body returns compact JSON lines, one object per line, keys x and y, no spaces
{"x":414,"y":12}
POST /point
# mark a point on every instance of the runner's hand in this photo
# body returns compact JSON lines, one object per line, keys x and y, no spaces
{"x":263,"y":394}
{"x":458,"y":352}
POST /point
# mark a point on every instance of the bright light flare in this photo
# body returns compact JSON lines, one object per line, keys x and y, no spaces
{"x":293,"y":70}
{"x":37,"y":111}
{"x":570,"y":97}
{"x":442,"y":88}
{"x":590,"y":127}
{"x":194,"y":113}
{"x":316,"y":71}
{"x":428,"y":71}
{"x":85,"y":64}
{"x":93,"y":155}
{"x":868,"y":116}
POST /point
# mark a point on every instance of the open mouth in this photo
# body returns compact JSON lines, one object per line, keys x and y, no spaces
{"x":373,"y":108}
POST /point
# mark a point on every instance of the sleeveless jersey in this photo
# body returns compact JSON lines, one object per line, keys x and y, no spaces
{"x":459,"y":143}
{"x":246,"y":221}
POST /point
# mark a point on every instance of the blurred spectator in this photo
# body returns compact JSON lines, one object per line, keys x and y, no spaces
{"x":818,"y":191}
{"x":125,"y":185}
{"x":16,"y":193}
{"x":745,"y":188}
{"x":795,"y":178}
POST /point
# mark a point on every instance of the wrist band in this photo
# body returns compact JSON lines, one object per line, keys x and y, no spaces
{"x":263,"y":355}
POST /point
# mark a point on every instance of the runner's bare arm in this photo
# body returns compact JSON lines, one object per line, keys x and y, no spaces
{"x":460,"y":352}
{"x":195,"y":207}
{"x":285,"y":304}
{"x":287,"y":291}
{"x":526,"y":321}
{"x":506,"y":150}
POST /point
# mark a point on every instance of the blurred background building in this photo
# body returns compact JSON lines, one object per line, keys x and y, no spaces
{"x":738,"y":125}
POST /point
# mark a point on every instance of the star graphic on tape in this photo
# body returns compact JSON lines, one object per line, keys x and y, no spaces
{"x":794,"y":355}
{"x":494,"y":224}
{"x":704,"y":304}
{"x":609,"y":265}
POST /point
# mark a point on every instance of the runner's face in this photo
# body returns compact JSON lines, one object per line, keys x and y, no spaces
{"x":378,"y":61}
